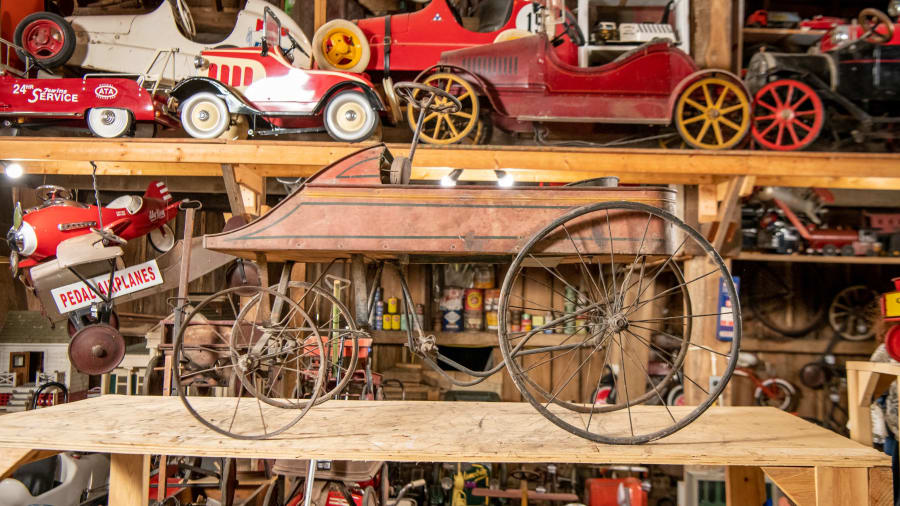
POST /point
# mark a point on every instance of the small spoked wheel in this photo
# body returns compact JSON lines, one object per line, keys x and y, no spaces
{"x":447,"y":127}
{"x":713,"y":113}
{"x":233,"y":375}
{"x":340,"y":338}
{"x":609,"y":280}
{"x":787,"y":115}
{"x":854,"y":312}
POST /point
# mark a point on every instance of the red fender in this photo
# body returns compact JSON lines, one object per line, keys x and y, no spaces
{"x":479,"y":84}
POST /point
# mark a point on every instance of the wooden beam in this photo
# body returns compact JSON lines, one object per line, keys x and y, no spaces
{"x":798,"y":483}
{"x":235,"y":199}
{"x":726,"y":210}
{"x":841,"y":487}
{"x":12,"y":458}
{"x":193,"y":157}
{"x":129,"y":479}
{"x":712,"y":38}
{"x":319,"y":8}
{"x":744,"y":485}
{"x":881,"y":486}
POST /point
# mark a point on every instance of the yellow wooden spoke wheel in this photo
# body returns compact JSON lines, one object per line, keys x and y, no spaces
{"x":713,"y":113}
{"x":447,"y":128}
{"x":341,"y":45}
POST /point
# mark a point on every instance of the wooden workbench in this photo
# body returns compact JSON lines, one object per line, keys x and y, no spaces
{"x":813,"y":466}
{"x":268,"y":158}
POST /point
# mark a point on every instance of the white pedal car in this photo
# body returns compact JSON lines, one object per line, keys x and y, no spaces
{"x":62,"y":480}
{"x":124,"y":43}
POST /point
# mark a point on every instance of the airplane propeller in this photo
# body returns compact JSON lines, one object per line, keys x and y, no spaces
{"x":14,"y":254}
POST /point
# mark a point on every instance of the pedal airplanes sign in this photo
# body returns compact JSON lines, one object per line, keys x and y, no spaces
{"x":135,"y":278}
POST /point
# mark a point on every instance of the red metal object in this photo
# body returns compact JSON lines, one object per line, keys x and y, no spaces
{"x":526,"y":81}
{"x":11,"y":13}
{"x":886,"y":223}
{"x":817,"y":239}
{"x":97,"y":349}
{"x":605,"y":491}
{"x":822,"y":23}
{"x":787,"y":115}
{"x":331,"y":216}
{"x":60,"y":219}
{"x":419,"y":38}
{"x":72,"y":98}
{"x":759,"y":18}
{"x":43,"y":38}
{"x":892,"y":342}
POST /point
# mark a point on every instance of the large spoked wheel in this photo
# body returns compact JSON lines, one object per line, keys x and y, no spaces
{"x":787,"y":115}
{"x":349,"y":117}
{"x":713,"y":113}
{"x":341,"y":45}
{"x":783,"y":302}
{"x":616,"y":299}
{"x":447,"y":127}
{"x":339,"y":331}
{"x":262,"y":353}
{"x":47,"y":37}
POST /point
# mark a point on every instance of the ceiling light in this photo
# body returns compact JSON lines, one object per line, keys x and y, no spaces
{"x":14,"y":170}
{"x":504,"y":179}
{"x":451,"y":178}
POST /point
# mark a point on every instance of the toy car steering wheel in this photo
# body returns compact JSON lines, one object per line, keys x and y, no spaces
{"x":871,"y":19}
{"x":448,"y":104}
{"x":185,"y":20}
{"x":51,"y":192}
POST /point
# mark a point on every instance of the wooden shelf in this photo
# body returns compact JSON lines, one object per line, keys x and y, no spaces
{"x":811,"y":346}
{"x":193,"y":157}
{"x":776,"y":35}
{"x":817,"y":259}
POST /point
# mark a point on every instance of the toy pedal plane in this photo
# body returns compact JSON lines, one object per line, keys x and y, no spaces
{"x":110,"y":104}
{"x":600,"y":262}
{"x":72,"y":253}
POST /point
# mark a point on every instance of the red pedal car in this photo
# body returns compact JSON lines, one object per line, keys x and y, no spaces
{"x":110,"y":106}
{"x":526,"y":83}
{"x":258,"y":92}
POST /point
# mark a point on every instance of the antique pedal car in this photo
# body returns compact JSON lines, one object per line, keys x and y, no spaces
{"x":110,"y":105}
{"x":851,"y":85}
{"x":257,"y":91}
{"x":122,"y":43}
{"x":524,"y":83}
{"x":605,"y":262}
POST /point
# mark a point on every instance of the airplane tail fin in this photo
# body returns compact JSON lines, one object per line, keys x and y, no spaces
{"x":158,"y":190}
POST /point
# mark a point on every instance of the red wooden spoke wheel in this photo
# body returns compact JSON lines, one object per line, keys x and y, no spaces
{"x":787,"y":115}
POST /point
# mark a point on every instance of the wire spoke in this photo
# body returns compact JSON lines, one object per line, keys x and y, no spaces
{"x":682,"y":339}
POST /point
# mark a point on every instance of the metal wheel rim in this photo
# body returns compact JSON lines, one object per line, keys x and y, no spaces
{"x":714,"y":116}
{"x":794,"y":127}
{"x":432,"y":135}
{"x":181,"y":389}
{"x":719,"y":266}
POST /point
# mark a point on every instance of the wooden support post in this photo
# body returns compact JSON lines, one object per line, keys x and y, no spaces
{"x":841,"y":486}
{"x":745,"y":485}
{"x":129,"y":479}
{"x":726,"y":210}
{"x":881,"y":486}
{"x":319,"y":16}
{"x":712,"y":37}
{"x":701,"y":366}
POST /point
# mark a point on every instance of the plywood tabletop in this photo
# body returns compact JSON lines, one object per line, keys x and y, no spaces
{"x":429,"y":431}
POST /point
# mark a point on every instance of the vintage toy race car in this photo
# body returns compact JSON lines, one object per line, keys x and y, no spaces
{"x":855,"y":73}
{"x":257,"y":91}
{"x":525,"y":83}
{"x":122,"y":43}
{"x":111,"y":106}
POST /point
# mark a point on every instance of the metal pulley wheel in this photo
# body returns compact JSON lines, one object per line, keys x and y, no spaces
{"x":97,"y":349}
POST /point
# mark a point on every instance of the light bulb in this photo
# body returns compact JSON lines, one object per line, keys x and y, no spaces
{"x":14,"y":170}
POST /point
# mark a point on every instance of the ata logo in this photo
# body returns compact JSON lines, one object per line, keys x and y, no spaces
{"x":106,"y":91}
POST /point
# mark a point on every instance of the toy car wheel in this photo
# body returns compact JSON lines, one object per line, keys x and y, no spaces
{"x":787,"y":115}
{"x":162,"y":239}
{"x":450,"y":127}
{"x":48,"y":37}
{"x":349,"y":117}
{"x":109,"y":122}
{"x":784,"y":394}
{"x":341,"y":45}
{"x":713,"y":113}
{"x":204,"y":116}
{"x":854,"y":312}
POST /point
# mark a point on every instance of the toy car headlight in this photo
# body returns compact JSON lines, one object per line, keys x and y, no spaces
{"x":201,"y":62}
{"x":893,"y":9}
{"x":839,"y":34}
